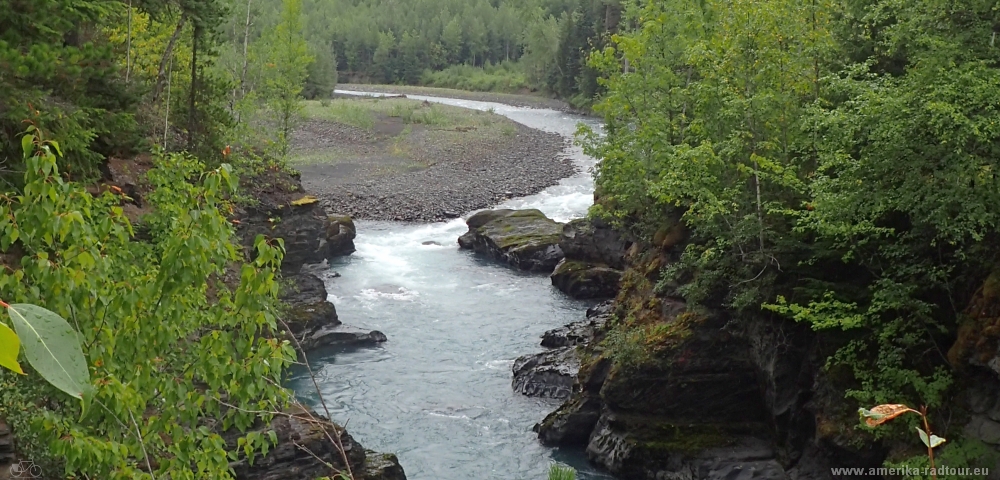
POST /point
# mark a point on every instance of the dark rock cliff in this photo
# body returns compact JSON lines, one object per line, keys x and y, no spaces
{"x":594,"y":259}
{"x":664,"y":391}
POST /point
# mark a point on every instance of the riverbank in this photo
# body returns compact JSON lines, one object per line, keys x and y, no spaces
{"x":513,"y":99}
{"x":406,"y":160}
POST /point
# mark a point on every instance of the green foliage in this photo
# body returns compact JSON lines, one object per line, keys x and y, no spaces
{"x":559,"y":472}
{"x":625,"y":346}
{"x":959,"y":454}
{"x":342,"y":111}
{"x":322,"y":73}
{"x":503,"y":45}
{"x":167,"y":343}
{"x":289,"y":58}
{"x":834,"y":164}
{"x":52,"y":348}
{"x":504,"y":77}
{"x":10,"y":348}
{"x":64,"y":80}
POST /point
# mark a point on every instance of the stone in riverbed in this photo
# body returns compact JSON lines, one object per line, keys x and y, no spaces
{"x":342,"y":336}
{"x":340,"y":234}
{"x":313,"y":320}
{"x":308,"y":309}
{"x":381,"y":466}
{"x":586,"y":280}
{"x":548,"y":374}
{"x":525,"y":239}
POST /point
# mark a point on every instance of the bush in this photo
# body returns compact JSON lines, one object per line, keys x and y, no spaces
{"x":507,"y":77}
{"x":169,"y":344}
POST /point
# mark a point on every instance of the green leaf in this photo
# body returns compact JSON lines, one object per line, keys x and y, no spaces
{"x":52,"y":348}
{"x":26,"y":143}
{"x":10,"y":346}
{"x":932,"y":441}
{"x":55,"y":145}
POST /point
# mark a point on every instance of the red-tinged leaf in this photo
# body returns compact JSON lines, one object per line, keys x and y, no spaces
{"x":883,"y":413}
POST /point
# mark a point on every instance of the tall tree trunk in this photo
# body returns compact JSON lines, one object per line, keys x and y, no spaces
{"x":166,"y":116}
{"x":194,"y":85}
{"x":165,"y":60}
{"x":246,"y":43}
{"x":128,"y":45}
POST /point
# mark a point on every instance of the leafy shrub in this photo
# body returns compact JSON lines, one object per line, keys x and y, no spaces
{"x":168,"y":343}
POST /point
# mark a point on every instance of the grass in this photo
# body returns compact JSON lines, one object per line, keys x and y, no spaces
{"x":365,"y":113}
{"x":557,"y":472}
{"x":347,"y":112}
{"x":407,"y":133}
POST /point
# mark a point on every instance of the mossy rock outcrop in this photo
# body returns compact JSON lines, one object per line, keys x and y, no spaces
{"x":525,"y":239}
{"x":586,"y":280}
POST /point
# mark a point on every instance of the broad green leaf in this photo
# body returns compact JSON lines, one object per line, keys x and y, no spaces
{"x":10,"y":346}
{"x":52,"y":347}
{"x":26,"y":144}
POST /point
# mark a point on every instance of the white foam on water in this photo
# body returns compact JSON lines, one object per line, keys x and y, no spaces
{"x":454,"y":321}
{"x":402,"y":294}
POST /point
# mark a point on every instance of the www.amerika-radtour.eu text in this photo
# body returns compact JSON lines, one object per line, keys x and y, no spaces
{"x":941,"y":471}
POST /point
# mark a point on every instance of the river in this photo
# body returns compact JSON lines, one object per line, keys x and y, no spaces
{"x":438,"y":392}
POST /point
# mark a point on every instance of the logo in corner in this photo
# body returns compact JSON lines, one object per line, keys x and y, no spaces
{"x":25,"y":470}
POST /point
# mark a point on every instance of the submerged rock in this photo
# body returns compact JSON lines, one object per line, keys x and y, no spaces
{"x":548,"y":374}
{"x":342,"y":336}
{"x":525,"y":239}
{"x":586,"y":280}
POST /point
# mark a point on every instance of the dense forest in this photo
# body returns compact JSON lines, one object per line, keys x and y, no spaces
{"x":506,"y":45}
{"x":835,"y":164}
{"x":131,"y":295}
